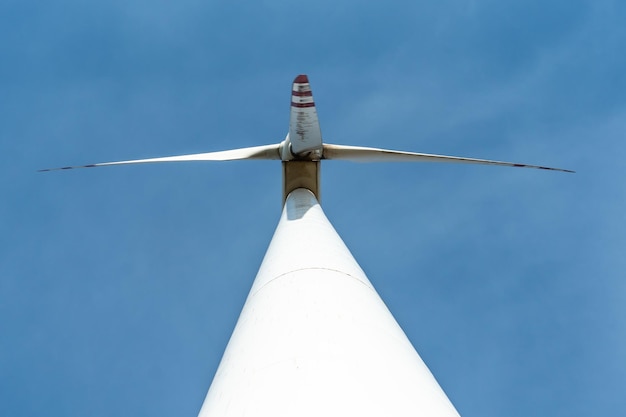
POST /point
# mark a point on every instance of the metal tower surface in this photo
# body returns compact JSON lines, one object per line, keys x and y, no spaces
{"x":315,"y":339}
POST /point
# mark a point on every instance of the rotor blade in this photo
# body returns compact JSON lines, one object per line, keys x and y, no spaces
{"x":363,"y":154}
{"x":256,"y":152}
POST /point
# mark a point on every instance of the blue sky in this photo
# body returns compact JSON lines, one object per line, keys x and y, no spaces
{"x":119,"y":287}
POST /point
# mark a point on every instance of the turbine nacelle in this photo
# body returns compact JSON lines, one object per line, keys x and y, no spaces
{"x":285,"y":150}
{"x":303,"y":149}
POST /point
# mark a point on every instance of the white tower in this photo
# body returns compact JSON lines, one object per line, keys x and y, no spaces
{"x":314,"y":338}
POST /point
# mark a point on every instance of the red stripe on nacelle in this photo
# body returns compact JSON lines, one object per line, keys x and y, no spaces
{"x":302,"y":93}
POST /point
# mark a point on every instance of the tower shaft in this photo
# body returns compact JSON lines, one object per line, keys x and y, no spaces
{"x":314,"y":338}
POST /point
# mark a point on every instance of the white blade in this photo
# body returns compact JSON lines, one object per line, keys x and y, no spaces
{"x":304,"y":127}
{"x":363,"y":154}
{"x":256,"y":152}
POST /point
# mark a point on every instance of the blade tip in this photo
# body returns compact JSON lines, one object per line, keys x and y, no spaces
{"x":301,"y":79}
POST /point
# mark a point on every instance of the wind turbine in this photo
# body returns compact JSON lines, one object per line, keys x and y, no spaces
{"x":314,"y":337}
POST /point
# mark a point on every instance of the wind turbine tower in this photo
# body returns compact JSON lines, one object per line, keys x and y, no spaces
{"x":314,"y":337}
